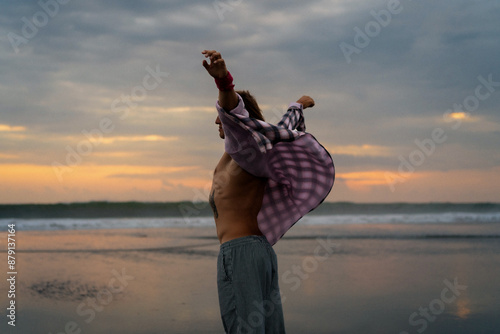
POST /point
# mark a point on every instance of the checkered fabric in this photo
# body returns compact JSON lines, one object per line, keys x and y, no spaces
{"x":299,"y":170}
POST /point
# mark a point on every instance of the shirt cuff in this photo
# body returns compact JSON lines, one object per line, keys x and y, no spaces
{"x":295,"y":104}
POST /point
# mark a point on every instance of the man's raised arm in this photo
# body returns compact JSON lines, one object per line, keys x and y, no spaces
{"x":228,"y":99}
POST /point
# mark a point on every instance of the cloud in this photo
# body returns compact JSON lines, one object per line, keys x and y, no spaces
{"x":426,"y":60}
{"x":9,"y":128}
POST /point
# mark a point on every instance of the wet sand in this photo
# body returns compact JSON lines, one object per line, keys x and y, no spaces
{"x":334,"y":279}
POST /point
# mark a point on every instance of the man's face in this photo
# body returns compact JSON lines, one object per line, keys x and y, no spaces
{"x":219,"y":123}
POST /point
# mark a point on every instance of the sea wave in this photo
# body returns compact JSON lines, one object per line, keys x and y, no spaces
{"x":407,"y":218}
{"x":52,"y":224}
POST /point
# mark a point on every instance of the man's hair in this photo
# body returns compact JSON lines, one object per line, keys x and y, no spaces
{"x":251,"y":104}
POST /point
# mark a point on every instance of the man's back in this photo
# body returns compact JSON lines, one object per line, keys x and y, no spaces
{"x":236,"y":199}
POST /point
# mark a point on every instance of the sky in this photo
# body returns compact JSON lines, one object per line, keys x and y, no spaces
{"x":108,"y":100}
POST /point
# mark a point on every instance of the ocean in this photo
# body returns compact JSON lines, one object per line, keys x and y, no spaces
{"x":140,"y":215}
{"x":345,"y":268}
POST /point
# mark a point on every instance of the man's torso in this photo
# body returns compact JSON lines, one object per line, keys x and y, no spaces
{"x":236,"y":199}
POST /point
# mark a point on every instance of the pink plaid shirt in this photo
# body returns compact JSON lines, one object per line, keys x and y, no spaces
{"x":299,"y":170}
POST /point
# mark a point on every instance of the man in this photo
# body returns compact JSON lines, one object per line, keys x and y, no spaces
{"x":268,"y":177}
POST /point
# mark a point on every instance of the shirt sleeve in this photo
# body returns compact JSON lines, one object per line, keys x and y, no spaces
{"x":293,"y":119}
{"x":238,"y":110}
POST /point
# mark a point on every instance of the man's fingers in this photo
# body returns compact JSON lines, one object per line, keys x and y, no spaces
{"x":219,"y":62}
{"x":210,"y":53}
{"x":214,"y":57}
{"x":205,"y":64}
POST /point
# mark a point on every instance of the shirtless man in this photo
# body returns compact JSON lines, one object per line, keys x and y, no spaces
{"x":247,"y":276}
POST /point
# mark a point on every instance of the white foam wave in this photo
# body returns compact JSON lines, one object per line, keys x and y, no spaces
{"x":112,"y":223}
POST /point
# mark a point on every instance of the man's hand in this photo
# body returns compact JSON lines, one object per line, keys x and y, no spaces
{"x":306,"y":101}
{"x":217,"y":67}
{"x":228,"y":99}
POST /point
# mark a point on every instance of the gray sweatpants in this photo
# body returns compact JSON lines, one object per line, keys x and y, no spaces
{"x":247,"y":280}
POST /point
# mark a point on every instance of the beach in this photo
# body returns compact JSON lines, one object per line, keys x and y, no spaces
{"x":364,"y":278}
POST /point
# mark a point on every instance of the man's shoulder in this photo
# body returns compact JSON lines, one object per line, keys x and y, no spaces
{"x":223,"y":161}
